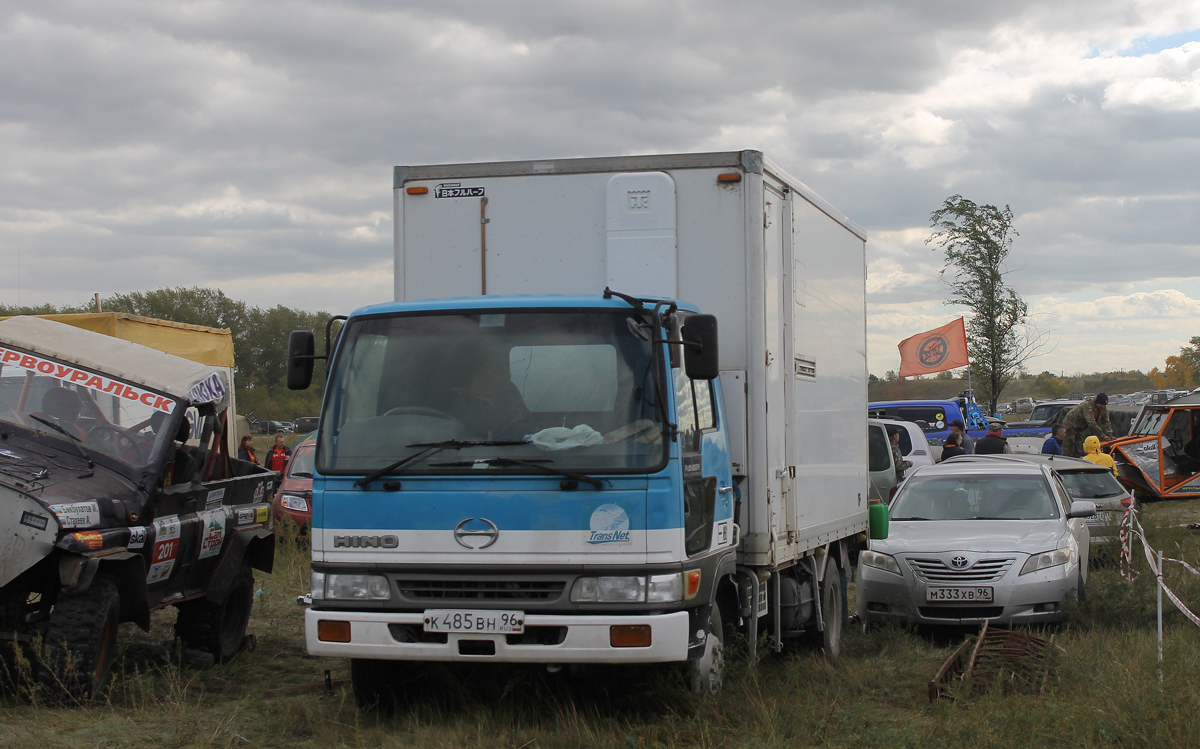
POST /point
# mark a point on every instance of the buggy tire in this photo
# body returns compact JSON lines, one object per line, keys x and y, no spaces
{"x":80,"y":643}
{"x":218,"y":629}
{"x":376,"y":684}
{"x":706,"y":673}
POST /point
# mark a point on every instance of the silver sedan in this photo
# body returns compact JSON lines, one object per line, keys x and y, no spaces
{"x":977,"y":538}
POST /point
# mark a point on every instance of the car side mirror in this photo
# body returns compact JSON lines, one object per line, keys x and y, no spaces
{"x":1082,"y":509}
{"x":301,"y":348}
{"x":700,"y":356}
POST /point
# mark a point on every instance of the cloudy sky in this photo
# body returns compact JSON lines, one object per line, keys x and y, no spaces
{"x":249,"y":145}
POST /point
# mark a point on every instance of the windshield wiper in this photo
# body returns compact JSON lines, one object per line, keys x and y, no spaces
{"x":74,"y":440}
{"x":430,"y":449}
{"x":300,"y":475}
{"x":535,"y":465}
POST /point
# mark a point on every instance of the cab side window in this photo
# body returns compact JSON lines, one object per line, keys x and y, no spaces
{"x":685,"y":406}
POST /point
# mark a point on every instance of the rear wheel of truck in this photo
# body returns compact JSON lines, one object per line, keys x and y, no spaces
{"x":706,"y":673}
{"x":833,"y":611}
{"x":375,"y":684}
{"x":80,"y":644}
{"x":218,"y":629}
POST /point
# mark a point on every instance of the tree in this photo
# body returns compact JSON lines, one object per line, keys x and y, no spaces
{"x":1049,"y":386}
{"x":976,"y":240}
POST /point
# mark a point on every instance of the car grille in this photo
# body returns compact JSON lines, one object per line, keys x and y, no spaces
{"x":937,"y":571}
{"x":960,"y":612}
{"x":488,"y":590}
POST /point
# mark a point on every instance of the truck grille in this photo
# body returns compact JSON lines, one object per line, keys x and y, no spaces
{"x":486,"y":590}
{"x":937,"y":571}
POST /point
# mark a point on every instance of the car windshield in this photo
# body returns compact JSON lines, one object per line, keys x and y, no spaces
{"x":993,"y":496}
{"x":302,"y":462}
{"x":1045,"y":411}
{"x":1091,"y":484}
{"x":480,"y":391}
{"x":100,"y":412}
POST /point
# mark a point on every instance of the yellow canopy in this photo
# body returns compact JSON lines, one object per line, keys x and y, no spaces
{"x":203,"y":345}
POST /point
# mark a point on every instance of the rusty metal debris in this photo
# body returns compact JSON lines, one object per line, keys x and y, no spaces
{"x":1016,"y":662}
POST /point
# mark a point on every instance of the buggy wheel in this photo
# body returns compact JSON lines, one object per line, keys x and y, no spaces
{"x":218,"y":629}
{"x":80,"y":643}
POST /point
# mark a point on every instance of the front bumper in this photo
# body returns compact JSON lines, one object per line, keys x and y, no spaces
{"x":569,"y":638}
{"x":1035,"y":598}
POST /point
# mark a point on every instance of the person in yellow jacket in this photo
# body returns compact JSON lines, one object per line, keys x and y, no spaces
{"x":1091,"y":448}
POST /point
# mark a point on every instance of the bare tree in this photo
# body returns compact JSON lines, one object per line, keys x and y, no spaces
{"x":976,"y":240}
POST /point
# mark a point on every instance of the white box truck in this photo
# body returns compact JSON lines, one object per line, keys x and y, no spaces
{"x":539,"y":453}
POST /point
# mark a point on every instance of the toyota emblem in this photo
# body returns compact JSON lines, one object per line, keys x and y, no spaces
{"x":959,"y":563}
{"x":470,"y":537}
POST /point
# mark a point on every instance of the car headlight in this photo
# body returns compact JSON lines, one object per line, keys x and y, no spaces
{"x":340,"y":587}
{"x":609,"y":590}
{"x":879,"y":561}
{"x":292,"y":502}
{"x":1046,"y":559}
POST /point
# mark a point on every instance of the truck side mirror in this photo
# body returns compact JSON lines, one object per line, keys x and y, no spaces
{"x":700,"y":358}
{"x":300,"y":359}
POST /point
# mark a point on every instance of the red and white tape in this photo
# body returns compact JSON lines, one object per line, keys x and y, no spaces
{"x":1135,"y":529}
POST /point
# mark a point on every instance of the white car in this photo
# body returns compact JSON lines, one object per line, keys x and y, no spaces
{"x":974,"y":539}
{"x":913,"y":445}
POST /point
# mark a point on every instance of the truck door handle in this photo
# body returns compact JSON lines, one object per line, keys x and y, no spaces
{"x":725,"y":489}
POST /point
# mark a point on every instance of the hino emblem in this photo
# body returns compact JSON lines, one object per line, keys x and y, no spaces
{"x":470,"y":539}
{"x":365,"y":542}
{"x":959,"y":563}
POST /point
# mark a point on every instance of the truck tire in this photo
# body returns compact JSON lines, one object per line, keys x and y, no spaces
{"x":833,"y":611}
{"x":375,"y":684}
{"x":80,"y":643}
{"x":218,"y":629}
{"x":706,"y":673}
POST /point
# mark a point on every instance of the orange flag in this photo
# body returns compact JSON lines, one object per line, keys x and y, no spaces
{"x":934,"y":350}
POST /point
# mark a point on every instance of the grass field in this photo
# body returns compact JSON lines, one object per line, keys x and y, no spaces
{"x":1105,"y":689}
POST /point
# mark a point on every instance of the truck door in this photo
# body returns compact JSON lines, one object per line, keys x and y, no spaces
{"x":707,"y":479}
{"x":775,"y":214}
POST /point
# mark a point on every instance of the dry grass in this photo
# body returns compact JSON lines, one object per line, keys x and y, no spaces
{"x":1106,"y":689}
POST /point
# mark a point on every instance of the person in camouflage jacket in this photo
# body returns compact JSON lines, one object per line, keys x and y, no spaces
{"x":1087,"y":419}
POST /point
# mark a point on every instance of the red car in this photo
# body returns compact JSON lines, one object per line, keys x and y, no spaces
{"x":295,"y":492}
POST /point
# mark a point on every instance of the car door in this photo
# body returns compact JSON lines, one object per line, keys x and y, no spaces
{"x":881,"y":467}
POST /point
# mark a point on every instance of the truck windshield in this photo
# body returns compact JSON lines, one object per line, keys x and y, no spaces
{"x":100,"y":412}
{"x":565,"y":389}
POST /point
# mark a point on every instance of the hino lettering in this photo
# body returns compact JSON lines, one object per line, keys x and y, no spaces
{"x":366,"y":542}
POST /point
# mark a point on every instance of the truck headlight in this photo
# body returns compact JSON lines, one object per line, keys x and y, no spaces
{"x":664,"y":588}
{"x":879,"y":561}
{"x":1045,"y":559}
{"x":340,"y":587}
{"x":316,"y":585}
{"x":292,"y":502}
{"x":609,"y":590}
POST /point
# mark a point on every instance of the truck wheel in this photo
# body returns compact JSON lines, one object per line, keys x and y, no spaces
{"x":833,"y":611}
{"x":218,"y":629}
{"x":80,"y":643}
{"x":375,"y":684}
{"x":707,"y":672}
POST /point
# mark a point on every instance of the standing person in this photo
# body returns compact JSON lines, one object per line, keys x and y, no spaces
{"x":951,"y":448}
{"x":1089,"y":417}
{"x":1054,"y":443}
{"x":958,"y":427}
{"x":277,"y":458}
{"x":246,"y":450}
{"x":1091,"y":447}
{"x":897,"y":456}
{"x":995,"y":442}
